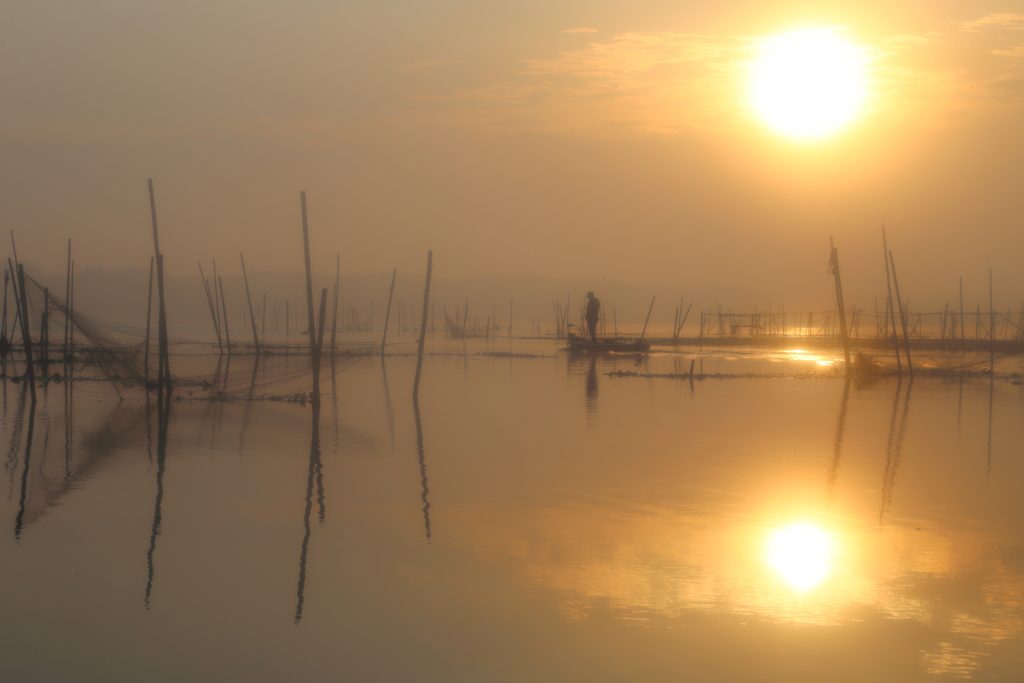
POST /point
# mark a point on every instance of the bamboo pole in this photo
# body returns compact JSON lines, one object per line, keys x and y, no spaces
{"x":17,"y":298}
{"x":992,"y":326}
{"x":387,"y":313}
{"x":71,"y":309}
{"x":67,"y":297}
{"x":903,"y":315}
{"x":252,"y":317}
{"x":216,"y":302}
{"x":211,"y":300}
{"x":892,"y":307}
{"x":319,"y":346}
{"x":309,"y":297}
{"x":26,"y":335}
{"x":423,"y":336}
{"x":683,"y":321}
{"x":164,"y":375}
{"x":648,"y":318}
{"x":963,"y":336}
{"x":840,"y":304}
{"x":5,"y":342}
{"x":149,"y":316}
{"x":334,"y":308}
{"x":7,"y":277}
{"x":227,"y":333}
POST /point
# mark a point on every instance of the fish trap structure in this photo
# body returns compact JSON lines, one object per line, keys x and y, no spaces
{"x":68,"y":344}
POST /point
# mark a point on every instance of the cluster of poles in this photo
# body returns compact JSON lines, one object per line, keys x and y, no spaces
{"x":15,"y":281}
{"x":894,"y":305}
{"x":463,"y":326}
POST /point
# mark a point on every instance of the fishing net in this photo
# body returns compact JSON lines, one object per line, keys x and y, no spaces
{"x":67,"y":341}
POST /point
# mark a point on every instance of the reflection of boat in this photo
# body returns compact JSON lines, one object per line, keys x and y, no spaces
{"x":577,"y":343}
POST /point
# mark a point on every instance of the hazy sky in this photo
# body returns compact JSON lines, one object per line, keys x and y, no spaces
{"x":556,"y":138}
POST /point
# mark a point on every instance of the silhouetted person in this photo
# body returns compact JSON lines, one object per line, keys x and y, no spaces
{"x":593,"y":309}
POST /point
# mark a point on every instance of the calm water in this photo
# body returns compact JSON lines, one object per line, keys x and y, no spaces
{"x":538,"y":521}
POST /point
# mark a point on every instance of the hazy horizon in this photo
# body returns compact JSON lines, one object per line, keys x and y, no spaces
{"x":576,"y":141}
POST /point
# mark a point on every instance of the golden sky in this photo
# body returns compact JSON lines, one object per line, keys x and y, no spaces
{"x":573,"y":139}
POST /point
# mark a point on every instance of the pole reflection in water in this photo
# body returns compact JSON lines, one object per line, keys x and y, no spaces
{"x":11,"y":463}
{"x":247,"y":413}
{"x":388,"y":409}
{"x":20,"y":519}
{"x":163,"y":412}
{"x":991,"y":397}
{"x":591,"y":390}
{"x":69,"y":426}
{"x":837,"y":449}
{"x":314,"y":473}
{"x":218,"y":419}
{"x":894,"y":447}
{"x":334,"y":400}
{"x":959,"y":406}
{"x":423,"y":465}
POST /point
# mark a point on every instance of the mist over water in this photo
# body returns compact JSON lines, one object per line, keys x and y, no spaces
{"x":533,"y":518}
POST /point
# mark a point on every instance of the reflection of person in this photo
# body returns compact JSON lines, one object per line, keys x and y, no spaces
{"x":591,"y":400}
{"x":593,"y":309}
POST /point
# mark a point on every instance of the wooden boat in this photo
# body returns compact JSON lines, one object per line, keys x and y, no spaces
{"x":577,"y":343}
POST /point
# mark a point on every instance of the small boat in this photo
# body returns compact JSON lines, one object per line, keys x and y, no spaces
{"x":577,"y":343}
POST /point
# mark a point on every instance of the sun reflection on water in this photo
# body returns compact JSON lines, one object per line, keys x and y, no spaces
{"x":801,"y":553}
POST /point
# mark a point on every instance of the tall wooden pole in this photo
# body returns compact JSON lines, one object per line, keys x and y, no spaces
{"x":5,"y":342}
{"x":25,"y":335}
{"x":387,"y":313}
{"x":309,"y":286}
{"x":991,"y":326}
{"x":67,"y":297}
{"x":149,"y":315}
{"x":71,"y":308}
{"x":164,"y":374}
{"x":648,"y":318}
{"x":423,"y":327}
{"x":321,"y":324}
{"x":903,"y":315}
{"x":211,"y":299}
{"x":223,"y":305}
{"x":17,"y":298}
{"x":334,"y":314}
{"x":216,"y":302}
{"x":892,"y":307}
{"x":319,"y":345}
{"x":963,"y":337}
{"x":841,"y":304}
{"x":252,"y":317}
{"x":7,"y":278}
{"x":311,"y":326}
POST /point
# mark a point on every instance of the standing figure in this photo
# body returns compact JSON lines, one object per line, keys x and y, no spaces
{"x":593,"y":309}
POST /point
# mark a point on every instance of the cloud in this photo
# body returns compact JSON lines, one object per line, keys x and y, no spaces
{"x":1006,"y":21}
{"x":648,"y":82}
{"x":1015,"y":51}
{"x":581,"y":30}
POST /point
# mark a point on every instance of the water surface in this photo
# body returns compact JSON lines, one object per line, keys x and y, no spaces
{"x":536,"y":519}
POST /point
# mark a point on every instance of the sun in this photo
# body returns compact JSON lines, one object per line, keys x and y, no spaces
{"x":808,"y":83}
